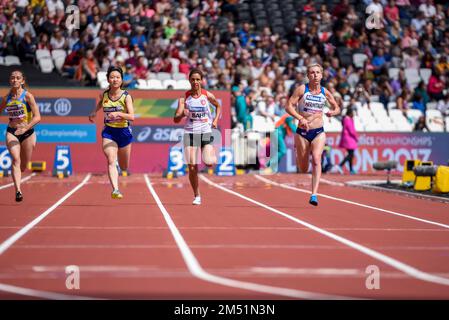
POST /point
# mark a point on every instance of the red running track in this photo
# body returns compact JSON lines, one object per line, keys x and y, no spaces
{"x":230,"y":247}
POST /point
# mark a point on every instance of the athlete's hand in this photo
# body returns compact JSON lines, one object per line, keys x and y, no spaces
{"x":20,"y":131}
{"x":329,"y":114}
{"x":186,"y":112}
{"x":215,"y":124}
{"x":303,"y":124}
{"x":114,"y":116}
{"x":92,"y":116}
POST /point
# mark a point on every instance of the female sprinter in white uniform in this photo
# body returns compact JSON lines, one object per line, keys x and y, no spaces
{"x":311,"y":100}
{"x":23,"y":115}
{"x":198,"y":127}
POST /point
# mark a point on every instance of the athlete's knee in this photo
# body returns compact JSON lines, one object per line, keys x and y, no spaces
{"x":210,"y":161}
{"x":303,"y":167}
{"x":193,"y":168}
{"x":16,"y":162}
{"x":112,"y":161}
{"x":316,"y":161}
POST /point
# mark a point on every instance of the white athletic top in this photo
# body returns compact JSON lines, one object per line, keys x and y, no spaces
{"x":312,"y":103}
{"x":200,"y":116}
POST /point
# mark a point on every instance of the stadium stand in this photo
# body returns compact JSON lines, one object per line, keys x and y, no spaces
{"x":257,"y":45}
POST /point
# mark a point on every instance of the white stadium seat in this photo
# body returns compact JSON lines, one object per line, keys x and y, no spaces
{"x":182,"y":85}
{"x":12,"y":61}
{"x":155,"y":84}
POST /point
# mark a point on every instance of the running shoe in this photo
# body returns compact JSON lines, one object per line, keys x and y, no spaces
{"x":313,"y":200}
{"x":116,"y":194}
{"x":197,"y":200}
{"x":19,"y":196}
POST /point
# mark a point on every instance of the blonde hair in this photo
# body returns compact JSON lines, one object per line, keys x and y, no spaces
{"x":310,"y":66}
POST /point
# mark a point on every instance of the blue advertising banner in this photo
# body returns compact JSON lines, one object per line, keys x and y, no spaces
{"x":64,"y":107}
{"x":157,"y":134}
{"x":66,"y":133}
{"x":374,"y":147}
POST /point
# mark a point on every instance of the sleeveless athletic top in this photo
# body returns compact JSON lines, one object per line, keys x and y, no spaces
{"x":18,"y":109}
{"x":118,"y":105}
{"x":200,"y":116}
{"x":312,"y":103}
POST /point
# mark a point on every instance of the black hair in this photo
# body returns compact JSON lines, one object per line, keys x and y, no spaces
{"x":113,"y":68}
{"x":198,"y":71}
{"x":349,"y":112}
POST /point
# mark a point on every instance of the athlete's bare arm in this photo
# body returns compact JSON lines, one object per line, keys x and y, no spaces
{"x":291,"y":110}
{"x":99,"y":105}
{"x":181,"y":112}
{"x":335,"y":108}
{"x":214,"y":102}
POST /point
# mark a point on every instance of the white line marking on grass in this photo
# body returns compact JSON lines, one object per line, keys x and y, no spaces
{"x":197,"y":270}
{"x":411,"y":271}
{"x":353,"y":203}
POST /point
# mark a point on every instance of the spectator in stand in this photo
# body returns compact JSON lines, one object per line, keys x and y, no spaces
{"x":421,"y":125}
{"x":348,"y":140}
{"x":402,"y":102}
{"x":87,"y":69}
{"x":436,"y":85}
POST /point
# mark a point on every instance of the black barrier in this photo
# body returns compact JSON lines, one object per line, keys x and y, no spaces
{"x":386,"y":165}
{"x":425,"y":171}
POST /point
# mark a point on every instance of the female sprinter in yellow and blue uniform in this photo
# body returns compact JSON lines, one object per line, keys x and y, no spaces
{"x":23,"y":115}
{"x":118,"y":109}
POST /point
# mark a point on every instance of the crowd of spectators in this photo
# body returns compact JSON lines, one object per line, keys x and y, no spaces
{"x":259,"y":66}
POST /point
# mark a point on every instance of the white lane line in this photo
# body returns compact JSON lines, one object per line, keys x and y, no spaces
{"x":41,"y":294}
{"x":197,"y":270}
{"x":221,"y":246}
{"x":332,"y":183}
{"x":224,"y":228}
{"x":22,"y":181}
{"x":19,"y":234}
{"x":408,"y":269}
{"x":353,"y":203}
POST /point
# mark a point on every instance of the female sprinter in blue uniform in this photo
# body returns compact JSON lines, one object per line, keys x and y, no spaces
{"x":198,"y":127}
{"x":23,"y":115}
{"x":311,"y":100}
{"x":118,"y":111}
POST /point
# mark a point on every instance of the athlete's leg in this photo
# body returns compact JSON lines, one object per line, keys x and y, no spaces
{"x":13,"y":146}
{"x":209,"y":156}
{"x":191,"y":154}
{"x":26,"y":151}
{"x":317,"y":147}
{"x":124,"y":155}
{"x":110,"y":150}
{"x":302,"y":153}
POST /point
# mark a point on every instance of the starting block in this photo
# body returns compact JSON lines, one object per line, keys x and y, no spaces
{"x":441,"y":183}
{"x":408,"y":176}
{"x":61,"y":174}
{"x":4,"y":173}
{"x":37,"y":166}
{"x":169,"y":174}
{"x":424,"y":175}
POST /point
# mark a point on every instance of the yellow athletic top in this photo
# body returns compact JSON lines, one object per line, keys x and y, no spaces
{"x":18,"y":109}
{"x":118,"y":105}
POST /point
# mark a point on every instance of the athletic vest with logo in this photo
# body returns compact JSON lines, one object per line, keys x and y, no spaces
{"x":200,"y":116}
{"x":18,"y":109}
{"x":312,"y":103}
{"x":118,"y":105}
